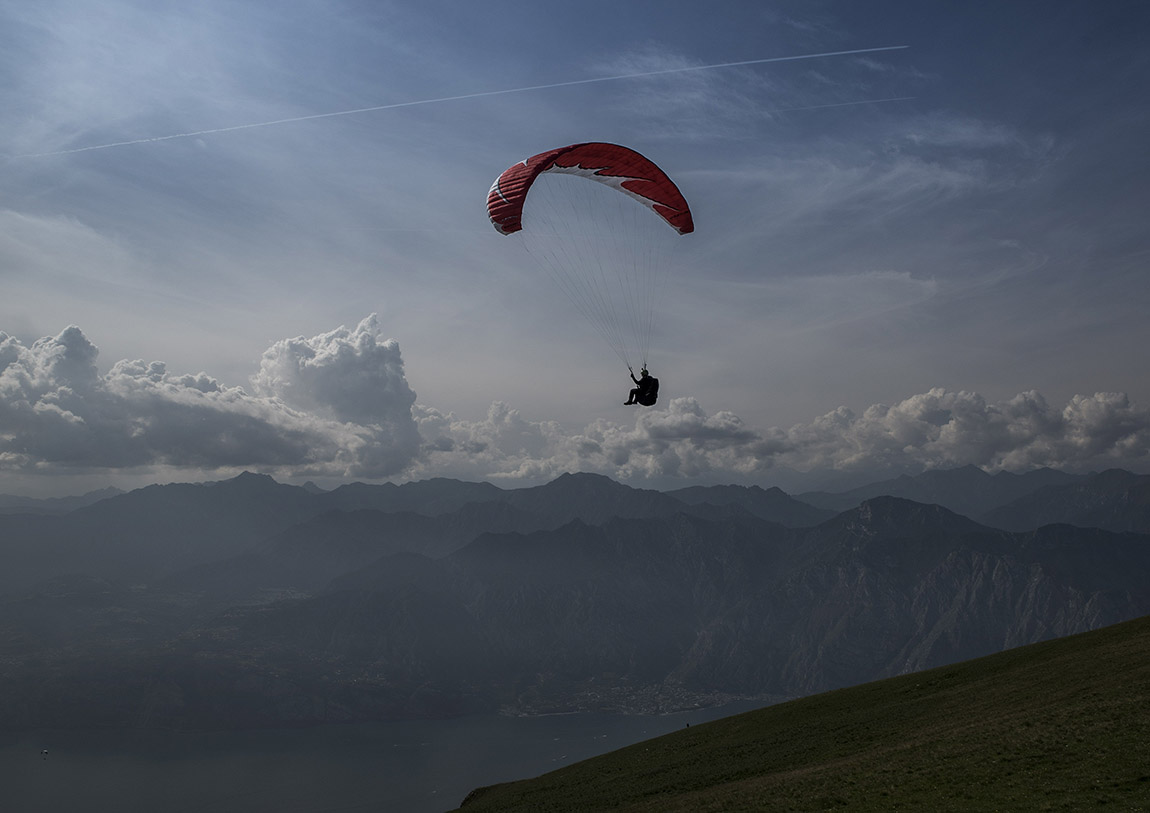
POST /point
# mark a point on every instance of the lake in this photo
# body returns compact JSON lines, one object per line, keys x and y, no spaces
{"x":416,"y":766}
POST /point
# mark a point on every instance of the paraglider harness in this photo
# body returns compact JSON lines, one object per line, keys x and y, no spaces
{"x":647,"y":391}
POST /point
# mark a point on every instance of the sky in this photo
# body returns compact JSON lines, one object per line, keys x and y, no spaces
{"x":239,"y":235}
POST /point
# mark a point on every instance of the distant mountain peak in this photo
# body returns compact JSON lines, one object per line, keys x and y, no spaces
{"x":967,"y":490}
{"x":1115,"y":499}
{"x":250,"y":481}
{"x":584,"y":480}
{"x":880,"y":515}
{"x":252,"y":477}
{"x":1115,"y":477}
{"x":584,"y":476}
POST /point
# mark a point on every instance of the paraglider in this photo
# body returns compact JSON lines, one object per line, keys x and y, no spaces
{"x":646,"y":391}
{"x":595,"y":216}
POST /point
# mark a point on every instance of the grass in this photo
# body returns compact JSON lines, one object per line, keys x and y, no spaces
{"x":1060,"y":725}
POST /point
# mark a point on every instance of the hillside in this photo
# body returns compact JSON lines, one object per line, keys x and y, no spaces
{"x":1056,"y":725}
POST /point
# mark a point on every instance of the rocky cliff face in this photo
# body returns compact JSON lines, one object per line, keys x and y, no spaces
{"x":895,"y":586}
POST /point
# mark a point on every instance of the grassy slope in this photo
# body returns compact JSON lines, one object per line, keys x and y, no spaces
{"x":1060,"y":725}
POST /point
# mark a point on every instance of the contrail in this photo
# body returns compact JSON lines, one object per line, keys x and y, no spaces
{"x":842,"y":104}
{"x":486,"y":93}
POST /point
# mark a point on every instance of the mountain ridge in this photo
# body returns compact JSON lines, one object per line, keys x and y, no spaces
{"x":1114,"y":499}
{"x":966,"y":490}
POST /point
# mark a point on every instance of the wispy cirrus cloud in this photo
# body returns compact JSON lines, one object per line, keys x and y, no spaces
{"x":679,"y":97}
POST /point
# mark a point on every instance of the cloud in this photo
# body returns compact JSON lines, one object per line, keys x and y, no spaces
{"x":934,"y":430}
{"x":352,"y":377}
{"x":348,"y":375}
{"x":37,"y":245}
{"x":338,"y":405}
{"x":334,"y":404}
{"x":684,"y":105}
{"x":681,"y":441}
{"x":679,"y":101}
{"x":944,"y":429}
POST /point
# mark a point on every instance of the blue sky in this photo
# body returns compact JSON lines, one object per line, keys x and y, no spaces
{"x":873,"y":286}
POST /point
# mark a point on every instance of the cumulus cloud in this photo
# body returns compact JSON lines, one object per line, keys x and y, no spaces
{"x":934,"y":430}
{"x":336,"y":404}
{"x":348,"y":375}
{"x":941,"y":429}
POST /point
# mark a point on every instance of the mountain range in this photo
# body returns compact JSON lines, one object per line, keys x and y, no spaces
{"x":12,"y":504}
{"x":967,"y":490}
{"x":249,"y":603}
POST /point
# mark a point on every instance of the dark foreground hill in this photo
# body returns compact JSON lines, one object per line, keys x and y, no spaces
{"x":1059,"y":725}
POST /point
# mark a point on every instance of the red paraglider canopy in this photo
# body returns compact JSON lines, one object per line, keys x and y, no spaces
{"x":610,"y":164}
